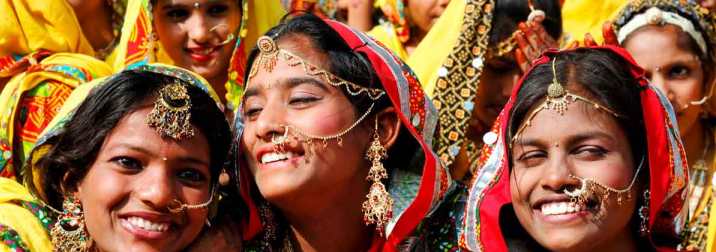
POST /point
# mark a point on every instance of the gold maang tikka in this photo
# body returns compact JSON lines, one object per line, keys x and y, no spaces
{"x":558,"y":100}
{"x":171,"y":115}
{"x":268,"y":57}
{"x":269,"y":53}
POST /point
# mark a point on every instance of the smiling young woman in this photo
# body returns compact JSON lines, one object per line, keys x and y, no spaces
{"x":133,"y":168}
{"x":334,"y":137}
{"x":586,"y":159}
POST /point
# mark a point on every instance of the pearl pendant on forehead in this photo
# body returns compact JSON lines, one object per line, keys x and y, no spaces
{"x":197,"y":5}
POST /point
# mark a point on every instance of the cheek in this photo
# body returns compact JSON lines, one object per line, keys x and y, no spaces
{"x":328,"y":119}
{"x":521,"y":184}
{"x":101,"y":193}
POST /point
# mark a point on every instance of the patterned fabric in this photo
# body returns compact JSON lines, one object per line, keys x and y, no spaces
{"x":24,"y":224}
{"x":138,"y":45}
{"x":394,"y":16}
{"x":490,"y":190}
{"x":418,"y":193}
{"x":440,"y":231}
{"x":38,"y":86}
{"x":456,"y":86}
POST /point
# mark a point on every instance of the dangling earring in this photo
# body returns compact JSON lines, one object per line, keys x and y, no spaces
{"x":378,"y":207}
{"x":69,"y":232}
{"x":644,"y":215}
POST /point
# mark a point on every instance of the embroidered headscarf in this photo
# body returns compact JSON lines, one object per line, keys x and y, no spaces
{"x":417,"y":116}
{"x":490,"y":190}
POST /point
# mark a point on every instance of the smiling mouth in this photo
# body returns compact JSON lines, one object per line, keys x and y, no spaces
{"x":138,"y":223}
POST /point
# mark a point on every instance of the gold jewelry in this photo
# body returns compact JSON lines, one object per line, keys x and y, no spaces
{"x":378,"y":208}
{"x":171,"y":115}
{"x":177,"y":206}
{"x":558,"y":100}
{"x":309,"y":138}
{"x":267,"y":59}
{"x":590,"y":187}
{"x":69,"y":233}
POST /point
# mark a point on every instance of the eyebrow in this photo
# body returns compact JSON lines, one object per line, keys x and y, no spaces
{"x":570,"y":141}
{"x":288,"y":84}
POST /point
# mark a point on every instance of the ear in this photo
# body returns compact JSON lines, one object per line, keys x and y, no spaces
{"x":388,"y":126}
{"x":67,"y":188}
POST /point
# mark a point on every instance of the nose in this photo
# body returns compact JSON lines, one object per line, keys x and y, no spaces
{"x":198,"y":28}
{"x":557,"y":176}
{"x":270,"y":121}
{"x":156,"y":187}
{"x":658,"y":80}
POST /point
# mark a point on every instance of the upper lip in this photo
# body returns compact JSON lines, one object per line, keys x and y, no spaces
{"x":549,"y":199}
{"x":202,"y":48}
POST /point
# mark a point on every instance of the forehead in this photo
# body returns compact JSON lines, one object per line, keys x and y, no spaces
{"x":653,"y":45}
{"x":191,"y":2}
{"x":579,"y":118}
{"x":133,"y":130}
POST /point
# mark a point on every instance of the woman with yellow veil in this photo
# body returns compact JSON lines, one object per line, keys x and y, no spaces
{"x":47,"y":48}
{"x":211,"y":38}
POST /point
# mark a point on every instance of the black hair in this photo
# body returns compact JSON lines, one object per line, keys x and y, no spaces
{"x":601,"y":76}
{"x":76,"y":147}
{"x":347,"y":64}
{"x":508,"y":13}
{"x":597,"y":74}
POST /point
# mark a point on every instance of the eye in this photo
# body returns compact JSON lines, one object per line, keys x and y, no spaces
{"x":250,"y":113}
{"x":127,"y":163}
{"x":191,"y":175}
{"x":177,"y":14}
{"x":532,"y":158}
{"x":302,"y":100}
{"x":678,"y":72}
{"x":590,"y":152}
{"x":218,"y":9}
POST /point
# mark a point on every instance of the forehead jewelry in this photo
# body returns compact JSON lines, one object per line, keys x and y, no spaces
{"x":197,"y":5}
{"x":171,"y":115}
{"x":558,"y":100}
{"x":269,"y":54}
{"x":590,"y":187}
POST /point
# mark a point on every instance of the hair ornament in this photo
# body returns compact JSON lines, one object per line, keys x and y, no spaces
{"x":171,"y":115}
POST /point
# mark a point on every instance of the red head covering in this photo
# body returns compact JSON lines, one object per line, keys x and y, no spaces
{"x":490,"y":190}
{"x":417,"y":116}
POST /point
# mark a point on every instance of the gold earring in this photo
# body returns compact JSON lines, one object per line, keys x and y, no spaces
{"x":378,"y":207}
{"x":69,"y":232}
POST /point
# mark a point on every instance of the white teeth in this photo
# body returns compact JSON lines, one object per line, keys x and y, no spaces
{"x":141,"y":223}
{"x":275,"y":156}
{"x":556,"y":208}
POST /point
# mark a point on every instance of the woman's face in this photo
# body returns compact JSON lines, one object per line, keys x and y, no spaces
{"x":424,"y":13}
{"x":194,"y":33}
{"x":584,"y":142}
{"x":498,"y":77}
{"x":302,"y":172}
{"x":135,"y":176}
{"x":674,"y":70}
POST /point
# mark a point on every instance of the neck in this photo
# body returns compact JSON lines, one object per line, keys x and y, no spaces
{"x":695,"y":143}
{"x":330,"y":225}
{"x":98,"y":31}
